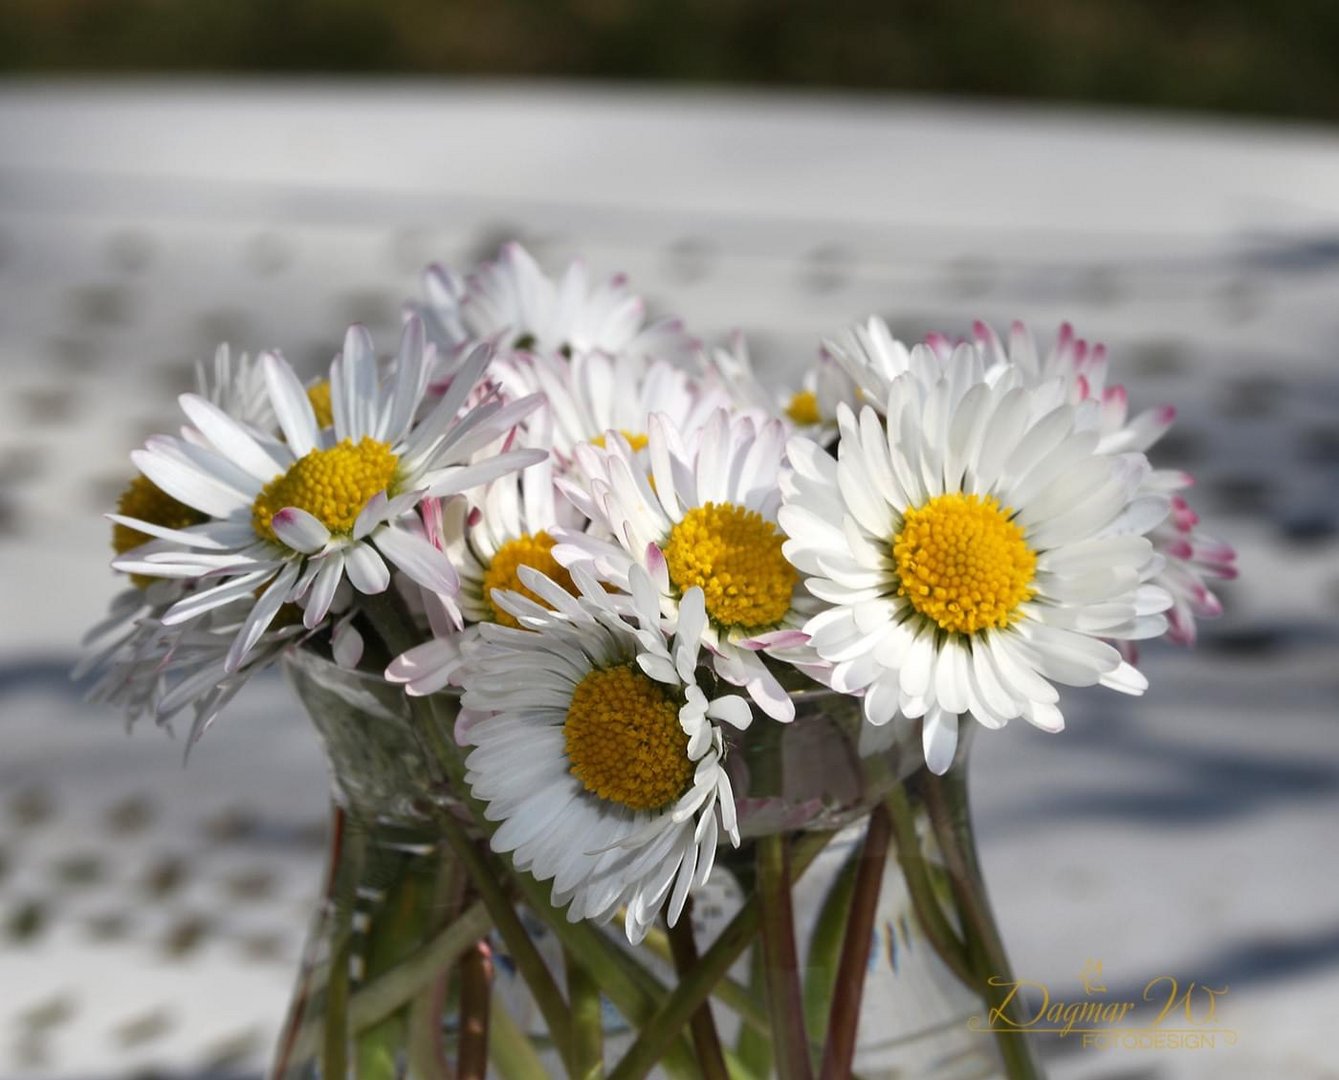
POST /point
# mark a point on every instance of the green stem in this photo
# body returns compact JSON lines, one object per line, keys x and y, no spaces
{"x":946,"y":804}
{"x":657,"y":1032}
{"x":844,"y":1018}
{"x":523,"y":952}
{"x":427,"y":1052}
{"x":754,"y":1045}
{"x":392,"y":990}
{"x":924,"y":901}
{"x":335,"y":1036}
{"x":587,"y":1020}
{"x":510,"y":1049}
{"x":706,"y":1039}
{"x":383,"y":995}
{"x":427,"y":1055}
{"x":394,"y":933}
{"x":635,"y":992}
{"x":820,"y":976}
{"x":777,"y":928}
{"x":745,"y":1001}
{"x":661,"y":1029}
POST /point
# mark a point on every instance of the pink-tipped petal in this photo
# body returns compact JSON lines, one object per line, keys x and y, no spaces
{"x":299,"y":530}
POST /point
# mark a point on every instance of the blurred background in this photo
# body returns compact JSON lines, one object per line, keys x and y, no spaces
{"x":174,"y":175}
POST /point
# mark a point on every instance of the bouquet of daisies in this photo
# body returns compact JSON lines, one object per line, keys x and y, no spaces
{"x":623,"y":556}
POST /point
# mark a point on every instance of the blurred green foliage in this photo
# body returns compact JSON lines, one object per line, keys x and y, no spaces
{"x":1275,"y":57}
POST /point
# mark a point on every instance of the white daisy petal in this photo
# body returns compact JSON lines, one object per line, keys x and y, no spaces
{"x":366,"y":569}
{"x":1126,"y":679}
{"x":346,"y":644}
{"x":322,"y":593}
{"x":456,"y":479}
{"x":260,"y":616}
{"x":197,"y":603}
{"x":420,"y":561}
{"x":229,"y":438}
{"x":732,"y":710}
{"x":950,"y":682}
{"x":190,"y":485}
{"x":292,"y":407}
{"x":214,"y":536}
{"x":939,"y":736}
{"x":410,"y":374}
{"x":299,"y":530}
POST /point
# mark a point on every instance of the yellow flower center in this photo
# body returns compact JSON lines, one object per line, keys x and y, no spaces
{"x":734,"y":554}
{"x":624,"y":741}
{"x":963,"y":562}
{"x":803,"y":408}
{"x":144,"y":500}
{"x":332,"y":485}
{"x":319,"y":396}
{"x":636,"y":440}
{"x":534,"y":550}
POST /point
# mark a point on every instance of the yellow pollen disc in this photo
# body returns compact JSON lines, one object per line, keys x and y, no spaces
{"x":803,"y":408}
{"x":319,"y":396}
{"x":534,"y":550}
{"x":963,"y":563}
{"x":636,"y":440}
{"x":332,"y":485}
{"x":144,"y":500}
{"x":734,"y":554}
{"x":624,"y":741}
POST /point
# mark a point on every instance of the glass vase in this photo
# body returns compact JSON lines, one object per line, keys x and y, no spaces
{"x":848,"y":935}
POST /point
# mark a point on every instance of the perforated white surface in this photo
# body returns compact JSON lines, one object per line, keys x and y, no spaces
{"x":150,"y":917}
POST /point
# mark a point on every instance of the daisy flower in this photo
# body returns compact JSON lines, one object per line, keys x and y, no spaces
{"x":870,"y":357}
{"x":288,"y":521}
{"x":732,"y":368}
{"x":514,"y":305}
{"x":600,"y":753}
{"x":594,"y":393}
{"x":811,"y":409}
{"x":973,"y":547}
{"x":704,"y":516}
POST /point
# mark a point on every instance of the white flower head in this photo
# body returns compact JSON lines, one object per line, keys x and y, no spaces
{"x":812,"y":409}
{"x":973,"y":546}
{"x":513,"y":304}
{"x":599,"y":752}
{"x":594,"y":393}
{"x":701,"y":512}
{"x":290,"y":520}
{"x":871,"y":358}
